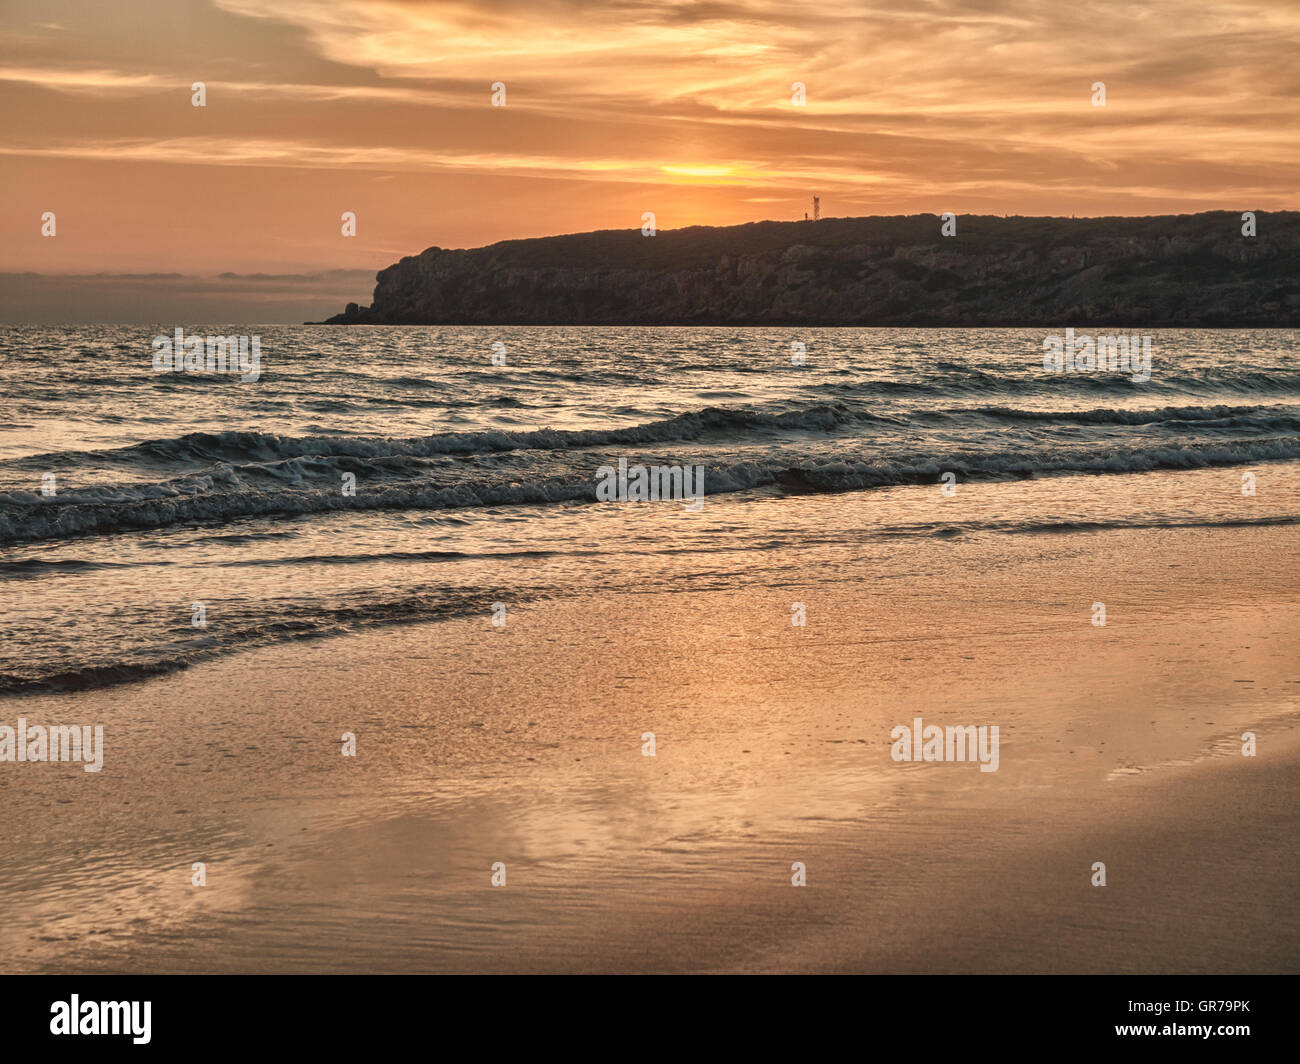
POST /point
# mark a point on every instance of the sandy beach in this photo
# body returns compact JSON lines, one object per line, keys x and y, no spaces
{"x":523,"y":745}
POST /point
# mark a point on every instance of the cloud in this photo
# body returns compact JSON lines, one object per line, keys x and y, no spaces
{"x":619,"y":107}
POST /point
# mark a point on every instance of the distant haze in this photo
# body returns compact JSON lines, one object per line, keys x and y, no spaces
{"x":175,"y":298}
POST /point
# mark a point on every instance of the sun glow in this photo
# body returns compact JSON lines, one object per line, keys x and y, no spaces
{"x":704,"y":172}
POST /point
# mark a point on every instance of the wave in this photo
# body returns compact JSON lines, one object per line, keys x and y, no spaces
{"x":1236,"y":417}
{"x":235,"y":446}
{"x":1050,"y":526}
{"x":44,"y":567}
{"x":242,"y":448}
{"x":368,"y":557}
{"x":88,"y":677}
{"x":1206,"y":381}
{"x":226,"y":494}
{"x":161,"y":661}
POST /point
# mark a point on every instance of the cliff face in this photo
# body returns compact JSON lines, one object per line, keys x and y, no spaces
{"x":1171,"y":270}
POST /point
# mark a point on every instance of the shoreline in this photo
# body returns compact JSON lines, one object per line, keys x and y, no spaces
{"x":801,"y":323}
{"x":1118,"y":744}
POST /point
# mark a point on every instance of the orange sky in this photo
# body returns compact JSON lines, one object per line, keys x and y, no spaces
{"x":383,"y":107}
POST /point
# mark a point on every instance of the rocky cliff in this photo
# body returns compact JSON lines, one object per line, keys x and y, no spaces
{"x":1172,"y":270}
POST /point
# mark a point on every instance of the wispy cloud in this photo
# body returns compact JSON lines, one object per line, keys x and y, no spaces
{"x":681,"y":105}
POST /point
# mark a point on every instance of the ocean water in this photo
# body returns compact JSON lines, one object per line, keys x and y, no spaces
{"x":475,"y":483}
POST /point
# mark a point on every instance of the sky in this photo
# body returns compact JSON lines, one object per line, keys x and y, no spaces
{"x":687,"y":109}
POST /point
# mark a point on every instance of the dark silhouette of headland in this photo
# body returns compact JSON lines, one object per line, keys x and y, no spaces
{"x":1170,"y":270}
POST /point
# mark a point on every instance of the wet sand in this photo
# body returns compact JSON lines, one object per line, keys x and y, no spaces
{"x":523,"y":745}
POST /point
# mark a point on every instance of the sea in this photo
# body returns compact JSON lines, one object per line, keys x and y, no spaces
{"x":377,"y":476}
